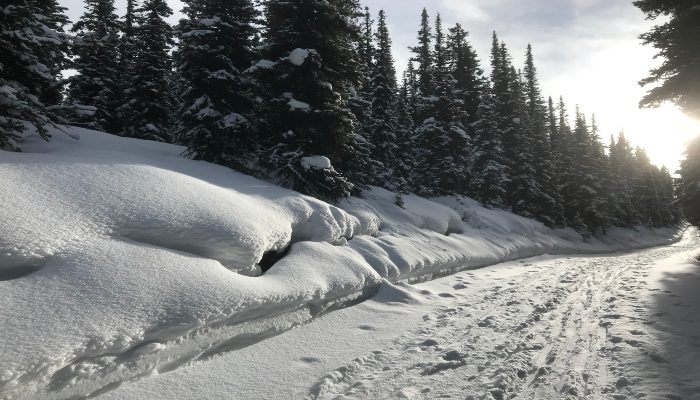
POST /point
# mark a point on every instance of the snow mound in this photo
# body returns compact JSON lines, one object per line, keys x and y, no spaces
{"x":298,"y":56}
{"x":120,"y":258}
{"x":316,"y":162}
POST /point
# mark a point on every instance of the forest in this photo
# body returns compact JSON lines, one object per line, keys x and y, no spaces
{"x":316,"y":104}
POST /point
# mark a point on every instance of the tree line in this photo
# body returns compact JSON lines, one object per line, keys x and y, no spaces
{"x":305,"y":94}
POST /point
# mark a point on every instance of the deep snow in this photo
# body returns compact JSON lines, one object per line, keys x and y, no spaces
{"x":621,"y":326}
{"x":119,"y":258}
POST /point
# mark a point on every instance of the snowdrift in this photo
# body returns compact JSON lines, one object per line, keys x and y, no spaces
{"x":120,"y":258}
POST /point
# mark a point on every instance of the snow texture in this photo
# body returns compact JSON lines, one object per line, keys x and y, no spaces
{"x":119,"y":258}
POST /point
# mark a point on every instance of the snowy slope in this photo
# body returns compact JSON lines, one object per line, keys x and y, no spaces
{"x":118,"y":257}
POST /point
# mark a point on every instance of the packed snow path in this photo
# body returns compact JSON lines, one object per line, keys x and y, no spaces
{"x":618,"y":326}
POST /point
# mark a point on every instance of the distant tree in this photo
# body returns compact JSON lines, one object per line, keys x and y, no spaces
{"x":548,"y":201}
{"x":148,"y":113}
{"x":33,"y":53}
{"x":217,"y":100}
{"x":678,"y":42}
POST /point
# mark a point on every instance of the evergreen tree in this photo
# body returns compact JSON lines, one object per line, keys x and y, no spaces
{"x":384,"y":122}
{"x":548,"y":207}
{"x":688,"y":187}
{"x":97,"y":83}
{"x":148,"y":113}
{"x":216,"y":113}
{"x":467,"y":74}
{"x":33,"y":52}
{"x":445,"y":147}
{"x":622,"y":210}
{"x":678,"y":42}
{"x":313,"y":66}
{"x":423,"y":56}
{"x":490,"y":173}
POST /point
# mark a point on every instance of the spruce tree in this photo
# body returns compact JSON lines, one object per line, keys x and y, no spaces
{"x":313,"y":65}
{"x":97,"y":83}
{"x":423,"y":56}
{"x":688,"y":188}
{"x":216,"y":112}
{"x":678,"y":42}
{"x":148,"y":112}
{"x":33,"y":52}
{"x":384,"y":121}
{"x":467,"y":74}
{"x":445,"y":147}
{"x":548,"y":202}
{"x":489,"y":170}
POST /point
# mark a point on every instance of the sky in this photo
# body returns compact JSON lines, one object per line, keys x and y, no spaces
{"x":585,"y":50}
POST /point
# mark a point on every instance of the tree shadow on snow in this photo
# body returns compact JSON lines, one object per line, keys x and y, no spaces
{"x":677,"y":316}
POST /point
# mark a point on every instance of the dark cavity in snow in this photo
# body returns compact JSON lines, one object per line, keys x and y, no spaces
{"x":271,"y":258}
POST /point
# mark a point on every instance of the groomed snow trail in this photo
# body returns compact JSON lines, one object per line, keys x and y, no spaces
{"x":579,"y":327}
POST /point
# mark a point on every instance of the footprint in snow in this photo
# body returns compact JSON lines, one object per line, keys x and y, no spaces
{"x":446,"y":295}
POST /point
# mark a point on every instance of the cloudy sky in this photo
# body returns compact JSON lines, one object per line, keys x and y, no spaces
{"x":585,"y":50}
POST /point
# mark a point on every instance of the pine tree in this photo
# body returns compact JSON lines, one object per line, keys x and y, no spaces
{"x":384,"y":122}
{"x":97,"y":83}
{"x":688,"y":187}
{"x":33,"y":52}
{"x":548,"y":207}
{"x":467,"y":73}
{"x":445,"y":147}
{"x":490,"y":173}
{"x":678,"y":42}
{"x":313,"y":64}
{"x":423,"y":56}
{"x":216,"y":113}
{"x":148,"y":113}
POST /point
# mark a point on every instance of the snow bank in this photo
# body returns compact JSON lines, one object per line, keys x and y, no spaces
{"x":119,"y":258}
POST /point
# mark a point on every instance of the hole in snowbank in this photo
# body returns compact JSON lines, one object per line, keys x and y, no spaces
{"x":271,"y":258}
{"x":10,"y":271}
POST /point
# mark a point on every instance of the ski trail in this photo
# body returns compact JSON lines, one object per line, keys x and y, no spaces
{"x":567,"y":328}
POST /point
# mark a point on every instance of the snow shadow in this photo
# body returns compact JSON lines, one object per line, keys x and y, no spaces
{"x":677,"y":315}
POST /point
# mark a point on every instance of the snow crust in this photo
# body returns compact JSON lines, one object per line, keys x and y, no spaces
{"x":119,"y":258}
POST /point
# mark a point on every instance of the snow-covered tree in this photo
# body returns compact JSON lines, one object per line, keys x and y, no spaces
{"x":548,"y":207}
{"x":384,"y":124}
{"x":467,"y":74}
{"x":97,"y":83}
{"x":148,"y":113}
{"x":443,"y":159}
{"x":688,"y":188}
{"x":33,"y":53}
{"x":489,"y":169}
{"x":310,"y":71}
{"x":217,"y":101}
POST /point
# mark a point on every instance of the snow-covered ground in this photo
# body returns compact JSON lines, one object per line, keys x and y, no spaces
{"x":119,"y":259}
{"x":623,"y":326}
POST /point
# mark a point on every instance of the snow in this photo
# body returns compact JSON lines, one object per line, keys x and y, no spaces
{"x":296,"y":104}
{"x":120,"y":259}
{"x":618,"y":326}
{"x":316,"y":162}
{"x":298,"y":56}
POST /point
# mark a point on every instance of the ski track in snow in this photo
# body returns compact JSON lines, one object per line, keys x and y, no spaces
{"x":580,"y":327}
